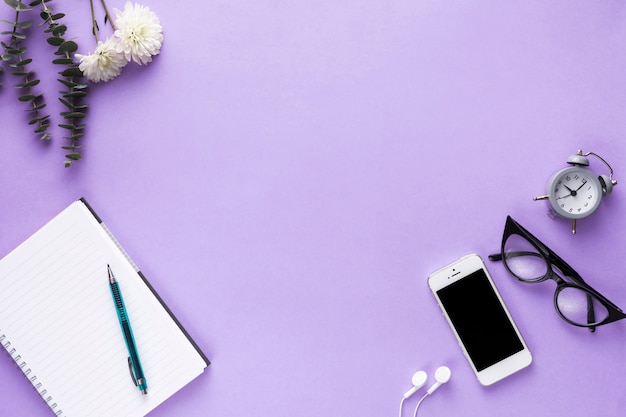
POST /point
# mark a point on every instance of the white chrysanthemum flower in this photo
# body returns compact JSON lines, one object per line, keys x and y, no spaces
{"x":139,"y":32}
{"x":104,"y":64}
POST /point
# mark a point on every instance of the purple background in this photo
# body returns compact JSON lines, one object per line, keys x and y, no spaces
{"x":287,"y":174}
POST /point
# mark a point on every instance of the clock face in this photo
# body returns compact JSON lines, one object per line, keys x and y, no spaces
{"x":574,"y":192}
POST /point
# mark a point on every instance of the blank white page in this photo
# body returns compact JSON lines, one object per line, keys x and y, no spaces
{"x":59,"y":323}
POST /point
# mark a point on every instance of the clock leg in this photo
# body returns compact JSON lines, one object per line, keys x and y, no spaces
{"x":573,"y":226}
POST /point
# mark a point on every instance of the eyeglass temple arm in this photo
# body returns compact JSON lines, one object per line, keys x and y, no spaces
{"x":591,"y":314}
{"x":498,"y":256}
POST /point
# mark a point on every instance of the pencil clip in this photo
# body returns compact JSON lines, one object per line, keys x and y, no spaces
{"x":132,"y":374}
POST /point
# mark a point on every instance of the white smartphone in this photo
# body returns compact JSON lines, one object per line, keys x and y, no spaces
{"x":478,"y":317}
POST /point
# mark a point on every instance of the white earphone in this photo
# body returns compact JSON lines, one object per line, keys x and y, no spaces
{"x":442,"y":375}
{"x":418,"y":380}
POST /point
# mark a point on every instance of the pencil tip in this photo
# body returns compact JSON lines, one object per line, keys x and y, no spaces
{"x":110,"y":273}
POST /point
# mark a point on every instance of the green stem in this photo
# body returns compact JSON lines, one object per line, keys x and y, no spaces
{"x":108,"y":15}
{"x":94,"y":23}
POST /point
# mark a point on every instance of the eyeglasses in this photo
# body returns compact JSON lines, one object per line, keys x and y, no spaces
{"x":530,"y":261}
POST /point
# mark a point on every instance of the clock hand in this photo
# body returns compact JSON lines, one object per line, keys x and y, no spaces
{"x":572,"y":192}
{"x":581,"y":186}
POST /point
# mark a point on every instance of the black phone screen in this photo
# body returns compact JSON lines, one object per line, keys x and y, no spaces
{"x":480,"y":320}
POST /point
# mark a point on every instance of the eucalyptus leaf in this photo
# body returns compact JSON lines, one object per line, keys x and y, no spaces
{"x":59,"y":30}
{"x":23,"y":25}
{"x":72,"y":72}
{"x":74,"y":94}
{"x":55,"y":41}
{"x":21,"y":7}
{"x":14,"y":34}
{"x":67,"y":104}
{"x":69,"y":84}
{"x":73,"y":106}
{"x":73,"y":115}
{"x":22,"y":63}
{"x":77,"y":136}
{"x":27,"y":97}
{"x":16,"y":51}
{"x":18,"y":6}
{"x":36,"y":113}
{"x":74,"y":156}
{"x":28,"y":84}
{"x":73,"y":128}
{"x":19,"y":25}
{"x":68,"y":47}
{"x":63,"y":61}
{"x":81,"y":86}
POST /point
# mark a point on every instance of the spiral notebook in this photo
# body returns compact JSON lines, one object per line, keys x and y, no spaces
{"x":59,"y":324}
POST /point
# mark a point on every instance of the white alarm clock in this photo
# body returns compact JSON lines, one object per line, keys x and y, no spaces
{"x":576,"y":192}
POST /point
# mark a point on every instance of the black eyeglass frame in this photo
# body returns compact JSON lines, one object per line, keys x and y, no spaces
{"x":553,"y":260}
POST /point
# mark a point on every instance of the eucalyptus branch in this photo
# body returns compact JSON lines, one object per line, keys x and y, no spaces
{"x":95,"y":28}
{"x":14,"y":56}
{"x":137,"y":37}
{"x":1,"y":69}
{"x":94,"y":22}
{"x":72,"y":79}
{"x":107,"y":15}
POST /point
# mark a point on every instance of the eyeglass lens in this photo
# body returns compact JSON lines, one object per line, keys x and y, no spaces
{"x":524,"y":260}
{"x":575,"y":304}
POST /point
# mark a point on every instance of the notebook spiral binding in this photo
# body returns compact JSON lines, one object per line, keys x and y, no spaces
{"x":119,"y":246}
{"x":26,"y":371}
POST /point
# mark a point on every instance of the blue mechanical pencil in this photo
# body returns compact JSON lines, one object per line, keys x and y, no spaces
{"x":134,"y":365}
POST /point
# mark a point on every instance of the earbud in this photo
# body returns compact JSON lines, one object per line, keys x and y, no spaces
{"x":419,"y":380}
{"x":442,"y":375}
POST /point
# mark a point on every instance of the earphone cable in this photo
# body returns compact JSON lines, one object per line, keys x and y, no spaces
{"x":420,"y":403}
{"x":401,"y":402}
